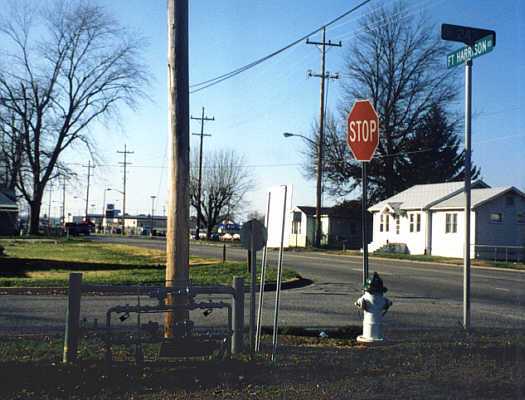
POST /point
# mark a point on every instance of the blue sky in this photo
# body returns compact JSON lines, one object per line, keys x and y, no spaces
{"x":253,"y":109}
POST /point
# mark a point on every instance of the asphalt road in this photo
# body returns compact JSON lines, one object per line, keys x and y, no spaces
{"x":425,"y":295}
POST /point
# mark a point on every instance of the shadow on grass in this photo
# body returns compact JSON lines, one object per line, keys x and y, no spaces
{"x":18,"y":267}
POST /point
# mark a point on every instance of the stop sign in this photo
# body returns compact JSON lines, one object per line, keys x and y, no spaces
{"x":363,"y":130}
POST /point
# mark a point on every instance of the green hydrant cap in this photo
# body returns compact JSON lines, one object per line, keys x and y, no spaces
{"x":374,"y":284}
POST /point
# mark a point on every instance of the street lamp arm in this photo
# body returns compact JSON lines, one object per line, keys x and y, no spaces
{"x":288,"y":134}
{"x":116,"y":190}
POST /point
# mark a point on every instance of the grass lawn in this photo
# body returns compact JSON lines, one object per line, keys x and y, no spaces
{"x":48,"y":263}
{"x":432,"y":364}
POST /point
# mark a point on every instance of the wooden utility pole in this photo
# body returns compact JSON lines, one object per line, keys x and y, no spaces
{"x":89,"y":167}
{"x":320,"y":138}
{"x":125,"y":164}
{"x":64,"y":202}
{"x":177,"y":240}
{"x":202,"y":118}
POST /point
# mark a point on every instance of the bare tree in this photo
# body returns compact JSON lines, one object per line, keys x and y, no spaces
{"x":396,"y":62}
{"x":225,"y":182}
{"x":66,"y":65}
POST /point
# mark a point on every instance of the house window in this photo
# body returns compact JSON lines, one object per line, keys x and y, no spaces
{"x":381,"y":218}
{"x":387,"y":224}
{"x":415,"y":222}
{"x":496,"y":218}
{"x":451,"y":223}
{"x":520,"y":218}
{"x":509,"y":201}
{"x":398,"y":225}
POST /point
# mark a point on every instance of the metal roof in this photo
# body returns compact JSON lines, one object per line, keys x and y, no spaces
{"x":6,"y":204}
{"x":477,"y":197}
{"x":421,"y":197}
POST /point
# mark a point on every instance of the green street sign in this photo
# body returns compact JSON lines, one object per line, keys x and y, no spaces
{"x":481,"y":47}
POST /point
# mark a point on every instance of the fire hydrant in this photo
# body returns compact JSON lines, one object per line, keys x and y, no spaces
{"x":374,"y":306}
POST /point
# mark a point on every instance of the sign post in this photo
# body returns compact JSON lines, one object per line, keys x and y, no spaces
{"x":253,"y":238}
{"x":363,"y":138}
{"x":479,"y":42}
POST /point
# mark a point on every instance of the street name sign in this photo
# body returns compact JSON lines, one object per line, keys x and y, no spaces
{"x":363,"y":130}
{"x":480,"y":47}
{"x":465,"y":34}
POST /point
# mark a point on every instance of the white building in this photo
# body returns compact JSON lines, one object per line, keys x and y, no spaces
{"x":429,"y":219}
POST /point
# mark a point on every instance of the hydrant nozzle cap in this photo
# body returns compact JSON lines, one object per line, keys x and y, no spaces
{"x":374,"y":284}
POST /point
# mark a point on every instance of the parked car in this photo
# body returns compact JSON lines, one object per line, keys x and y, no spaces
{"x":80,"y":228}
{"x":226,"y":237}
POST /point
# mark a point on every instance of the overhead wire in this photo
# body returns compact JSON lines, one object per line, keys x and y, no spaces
{"x":211,"y":82}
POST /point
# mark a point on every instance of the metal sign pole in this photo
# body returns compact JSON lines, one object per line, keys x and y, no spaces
{"x":466,"y":263}
{"x":364,"y":178}
{"x":278,"y":289}
{"x":263,"y":274}
{"x":253,"y":271}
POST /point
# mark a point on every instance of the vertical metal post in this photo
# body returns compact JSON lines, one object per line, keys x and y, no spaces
{"x":253,"y":271}
{"x":64,"y":202}
{"x":72,"y":318}
{"x":263,"y":276}
{"x":363,"y":221}
{"x":466,"y":263}
{"x":278,"y":289}
{"x":238,"y":314}
{"x":87,"y":190}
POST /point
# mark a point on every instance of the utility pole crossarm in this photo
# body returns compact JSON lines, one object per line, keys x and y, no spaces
{"x":327,"y":75}
{"x":323,"y":43}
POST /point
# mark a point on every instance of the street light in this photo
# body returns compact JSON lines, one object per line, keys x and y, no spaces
{"x":152,"y":210}
{"x":318,"y":145}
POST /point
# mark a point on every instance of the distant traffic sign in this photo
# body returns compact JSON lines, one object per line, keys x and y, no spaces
{"x":465,"y":34}
{"x":363,"y":130}
{"x":480,"y":47}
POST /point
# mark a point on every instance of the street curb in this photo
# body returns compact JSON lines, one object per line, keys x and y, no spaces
{"x":62,"y":290}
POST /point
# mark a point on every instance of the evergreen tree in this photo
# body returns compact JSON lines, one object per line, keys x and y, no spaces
{"x":433,"y":152}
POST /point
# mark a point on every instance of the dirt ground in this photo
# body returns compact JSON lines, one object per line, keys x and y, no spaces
{"x":431,"y":364}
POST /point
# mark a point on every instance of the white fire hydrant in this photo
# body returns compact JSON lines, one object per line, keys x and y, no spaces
{"x":374,"y":306}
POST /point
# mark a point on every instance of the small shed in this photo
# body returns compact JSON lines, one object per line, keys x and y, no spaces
{"x":340,"y":226}
{"x":8,"y":212}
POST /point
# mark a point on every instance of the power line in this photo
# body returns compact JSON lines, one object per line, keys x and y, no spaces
{"x":211,"y":82}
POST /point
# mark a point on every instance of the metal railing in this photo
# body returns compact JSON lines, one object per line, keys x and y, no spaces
{"x":234,"y":333}
{"x":500,"y":253}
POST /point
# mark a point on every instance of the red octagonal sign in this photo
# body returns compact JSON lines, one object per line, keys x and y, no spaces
{"x":363,"y":130}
